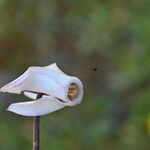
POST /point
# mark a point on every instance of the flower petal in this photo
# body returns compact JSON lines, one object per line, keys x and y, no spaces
{"x":39,"y":107}
{"x":15,"y":84}
{"x":32,"y":80}
{"x":54,"y":67}
{"x":30,"y":95}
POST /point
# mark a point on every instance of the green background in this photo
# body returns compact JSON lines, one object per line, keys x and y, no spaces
{"x":103,"y":42}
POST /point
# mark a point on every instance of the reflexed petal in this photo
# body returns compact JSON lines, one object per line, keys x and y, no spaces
{"x":33,"y":80}
{"x":14,"y":86}
{"x":30,"y":95}
{"x":54,"y":67}
{"x":39,"y":107}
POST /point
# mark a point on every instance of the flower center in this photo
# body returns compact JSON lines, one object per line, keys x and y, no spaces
{"x":72,"y":92}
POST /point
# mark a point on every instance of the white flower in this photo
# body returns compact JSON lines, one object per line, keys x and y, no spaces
{"x":58,"y":89}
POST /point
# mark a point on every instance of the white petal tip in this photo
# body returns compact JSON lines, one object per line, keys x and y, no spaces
{"x":10,"y":108}
{"x":15,"y":109}
{"x":3,"y":89}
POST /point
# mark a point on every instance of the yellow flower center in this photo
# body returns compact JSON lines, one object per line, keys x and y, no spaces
{"x":72,"y":92}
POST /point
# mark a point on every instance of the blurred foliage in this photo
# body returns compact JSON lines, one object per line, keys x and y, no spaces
{"x":106,"y":44}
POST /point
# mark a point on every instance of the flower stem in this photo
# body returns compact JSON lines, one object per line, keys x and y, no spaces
{"x":36,"y":128}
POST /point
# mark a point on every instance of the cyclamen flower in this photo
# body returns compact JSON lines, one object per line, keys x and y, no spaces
{"x":58,"y":89}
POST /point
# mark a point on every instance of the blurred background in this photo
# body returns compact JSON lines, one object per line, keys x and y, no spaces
{"x":103,"y":42}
